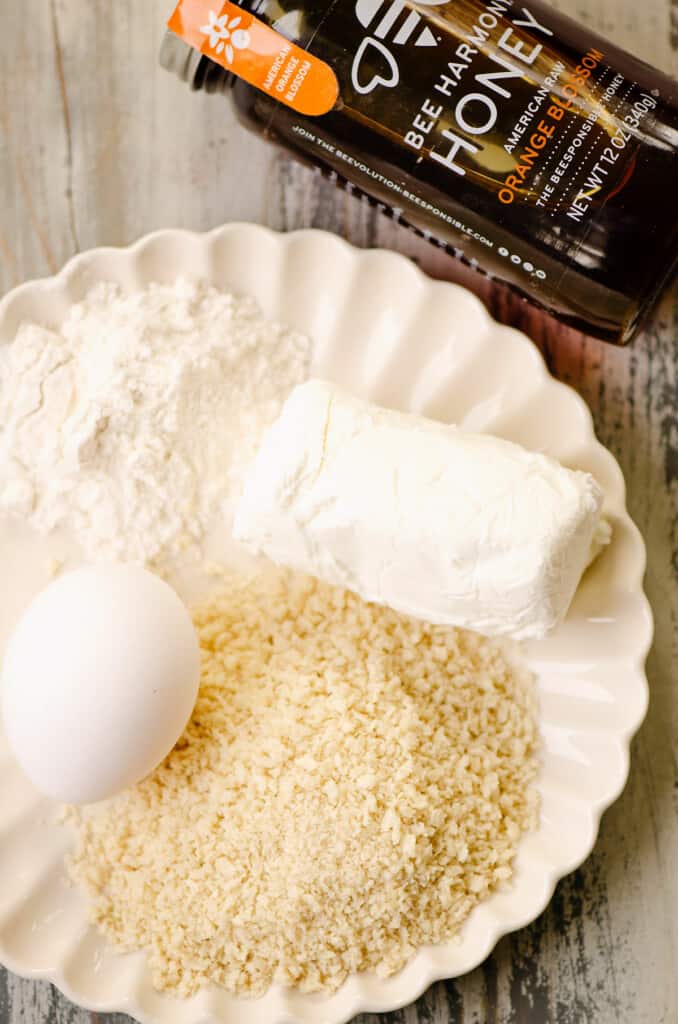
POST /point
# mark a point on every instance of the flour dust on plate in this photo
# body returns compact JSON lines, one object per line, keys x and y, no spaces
{"x":130,"y":423}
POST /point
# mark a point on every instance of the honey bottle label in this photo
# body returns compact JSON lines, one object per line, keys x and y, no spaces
{"x":255,"y":52}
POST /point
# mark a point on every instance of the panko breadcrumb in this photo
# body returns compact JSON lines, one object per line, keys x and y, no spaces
{"x":351,"y":784}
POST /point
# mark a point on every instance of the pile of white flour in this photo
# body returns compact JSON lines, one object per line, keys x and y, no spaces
{"x":132,"y":424}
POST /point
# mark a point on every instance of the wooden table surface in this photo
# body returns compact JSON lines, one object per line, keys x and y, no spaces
{"x":99,"y":146}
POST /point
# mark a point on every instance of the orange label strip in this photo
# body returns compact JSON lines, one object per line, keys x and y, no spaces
{"x":256,"y":53}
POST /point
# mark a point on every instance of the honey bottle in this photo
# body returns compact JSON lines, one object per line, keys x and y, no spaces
{"x":525,"y":145}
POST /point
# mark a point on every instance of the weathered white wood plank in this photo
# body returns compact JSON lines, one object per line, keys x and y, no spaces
{"x":97,"y":146}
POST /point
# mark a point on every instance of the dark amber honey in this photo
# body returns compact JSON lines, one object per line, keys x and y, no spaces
{"x":528,"y":147}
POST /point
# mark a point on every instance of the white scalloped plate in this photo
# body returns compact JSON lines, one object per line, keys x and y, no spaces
{"x":385,"y":331}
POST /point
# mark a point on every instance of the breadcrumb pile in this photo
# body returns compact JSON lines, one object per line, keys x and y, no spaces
{"x":351,"y":784}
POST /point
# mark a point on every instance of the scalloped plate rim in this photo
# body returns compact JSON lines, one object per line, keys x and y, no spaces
{"x":595,"y":809}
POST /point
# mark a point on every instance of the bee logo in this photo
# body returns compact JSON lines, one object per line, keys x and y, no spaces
{"x":395,"y":22}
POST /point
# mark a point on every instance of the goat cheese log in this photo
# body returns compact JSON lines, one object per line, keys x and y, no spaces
{"x":454,"y":528}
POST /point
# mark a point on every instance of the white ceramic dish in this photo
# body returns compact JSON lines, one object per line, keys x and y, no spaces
{"x":384,"y":330}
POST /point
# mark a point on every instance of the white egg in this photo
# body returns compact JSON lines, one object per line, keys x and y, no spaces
{"x":99,"y":680}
